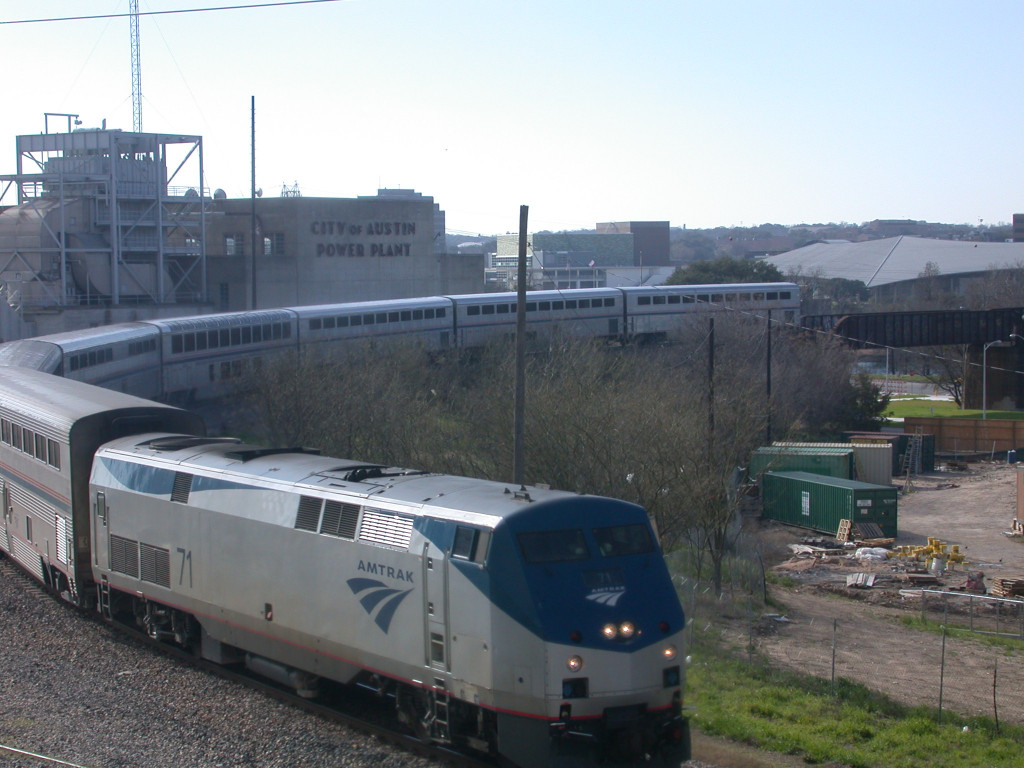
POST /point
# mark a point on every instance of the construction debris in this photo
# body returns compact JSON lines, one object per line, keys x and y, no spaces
{"x":1007,"y":587}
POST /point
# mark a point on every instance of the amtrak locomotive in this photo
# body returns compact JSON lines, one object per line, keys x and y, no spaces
{"x":535,"y":625}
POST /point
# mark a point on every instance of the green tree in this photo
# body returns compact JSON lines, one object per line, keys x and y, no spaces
{"x":726,"y":270}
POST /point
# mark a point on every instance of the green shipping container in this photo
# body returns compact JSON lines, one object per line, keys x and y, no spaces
{"x":818,"y":502}
{"x":834,"y":462}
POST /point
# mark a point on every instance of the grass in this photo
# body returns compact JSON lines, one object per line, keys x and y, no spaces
{"x":907,"y":407}
{"x":800,"y":715}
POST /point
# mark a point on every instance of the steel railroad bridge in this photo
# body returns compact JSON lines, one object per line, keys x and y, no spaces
{"x":997,"y":365}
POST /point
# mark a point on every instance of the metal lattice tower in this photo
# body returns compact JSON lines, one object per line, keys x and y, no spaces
{"x":133,"y":9}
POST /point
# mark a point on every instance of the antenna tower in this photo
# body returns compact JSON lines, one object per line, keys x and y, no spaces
{"x":133,"y":28}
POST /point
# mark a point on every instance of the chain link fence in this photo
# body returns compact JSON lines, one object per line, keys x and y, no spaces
{"x":947,"y":659}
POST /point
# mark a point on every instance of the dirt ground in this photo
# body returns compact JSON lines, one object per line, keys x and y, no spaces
{"x":971,"y":507}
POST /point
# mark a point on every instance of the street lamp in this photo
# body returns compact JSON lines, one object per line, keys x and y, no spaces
{"x":984,"y":373}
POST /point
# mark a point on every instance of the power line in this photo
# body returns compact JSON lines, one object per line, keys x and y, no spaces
{"x":275,"y":4}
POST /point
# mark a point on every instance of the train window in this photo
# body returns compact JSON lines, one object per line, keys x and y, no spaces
{"x":743,"y":297}
{"x":584,"y":303}
{"x":225,"y":337}
{"x":570,"y":304}
{"x":489,"y":309}
{"x":406,"y":316}
{"x":773,"y":296}
{"x":329,"y":322}
{"x":417,"y":314}
{"x":531,"y":306}
{"x":27,"y":439}
{"x":730,"y":297}
{"x":247,"y":335}
{"x":368,"y":320}
{"x":704,"y":298}
{"x":643,"y":300}
{"x":343,"y":321}
{"x":758,"y":296}
{"x":74,"y":363}
{"x":716,"y":298}
{"x":257,"y":333}
{"x":286,"y":331}
{"x":659,"y":299}
{"x":357,"y":320}
{"x":40,"y":447}
{"x":623,"y":540}
{"x":428,"y":314}
{"x":315,"y":324}
{"x":441,"y":312}
{"x":470,"y":544}
{"x":504,"y":309}
{"x":28,"y":528}
{"x":609,"y":302}
{"x":201,"y":340}
{"x":53,"y":453}
{"x":544,"y":306}
{"x":784,"y":295}
{"x":108,"y":354}
{"x":16,"y":436}
{"x":225,"y":370}
{"x":556,"y":305}
{"x":236,"y":337}
{"x":190,"y":343}
{"x":553,"y":546}
{"x":92,"y":355}
{"x":472,"y":310}
{"x":213,"y":372}
{"x":237,"y":368}
{"x":212,"y":339}
{"x":177,"y":345}
{"x":5,"y":431}
{"x":382,"y":317}
{"x":673,"y":299}
{"x":393,"y":317}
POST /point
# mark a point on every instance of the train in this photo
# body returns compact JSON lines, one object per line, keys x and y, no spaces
{"x":536,"y":626}
{"x":208,"y":357}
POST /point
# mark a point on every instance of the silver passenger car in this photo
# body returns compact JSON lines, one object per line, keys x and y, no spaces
{"x":49,"y":429}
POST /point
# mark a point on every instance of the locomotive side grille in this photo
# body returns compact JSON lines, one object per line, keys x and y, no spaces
{"x":156,"y":565}
{"x":124,"y":556}
{"x":385,"y":529}
{"x":182,"y":487}
{"x":309,"y":513}
{"x":340,"y":520}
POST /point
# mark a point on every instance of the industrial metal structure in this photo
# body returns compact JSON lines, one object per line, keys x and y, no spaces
{"x":103,"y":218}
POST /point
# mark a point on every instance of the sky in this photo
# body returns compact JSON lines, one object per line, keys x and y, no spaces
{"x":704,"y":114}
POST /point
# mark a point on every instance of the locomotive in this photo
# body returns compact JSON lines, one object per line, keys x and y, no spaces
{"x":535,"y":625}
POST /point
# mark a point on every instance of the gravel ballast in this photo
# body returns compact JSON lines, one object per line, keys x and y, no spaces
{"x":75,"y":690}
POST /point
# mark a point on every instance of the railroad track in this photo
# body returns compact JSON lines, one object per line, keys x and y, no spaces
{"x":357,"y":709}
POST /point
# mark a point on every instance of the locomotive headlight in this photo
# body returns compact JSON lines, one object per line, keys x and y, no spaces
{"x":609,"y":631}
{"x":575,"y":663}
{"x":669,"y":652}
{"x":626,"y":629}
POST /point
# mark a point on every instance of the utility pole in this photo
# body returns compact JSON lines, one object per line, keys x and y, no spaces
{"x":519,"y":453}
{"x":252,"y":256}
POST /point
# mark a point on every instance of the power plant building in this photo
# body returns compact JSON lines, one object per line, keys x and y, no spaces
{"x":101,"y":226}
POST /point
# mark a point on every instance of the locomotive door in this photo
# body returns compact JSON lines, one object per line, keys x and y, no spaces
{"x":436,"y":640}
{"x":5,"y":519}
{"x":100,"y":539}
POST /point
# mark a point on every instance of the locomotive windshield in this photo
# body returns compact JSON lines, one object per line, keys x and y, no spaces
{"x":554,"y":546}
{"x":623,"y":540}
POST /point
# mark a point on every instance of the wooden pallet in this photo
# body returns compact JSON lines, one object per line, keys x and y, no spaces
{"x":843,"y":534}
{"x":1007,"y":588}
{"x":868,"y":531}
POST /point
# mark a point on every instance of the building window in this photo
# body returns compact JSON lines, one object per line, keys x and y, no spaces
{"x":273,"y":244}
{"x":234,"y":244}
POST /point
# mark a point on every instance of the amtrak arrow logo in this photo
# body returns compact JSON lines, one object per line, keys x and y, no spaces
{"x":610,"y":598}
{"x":376,"y":595}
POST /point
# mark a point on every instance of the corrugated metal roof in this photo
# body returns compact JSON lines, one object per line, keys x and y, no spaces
{"x":894,"y":259}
